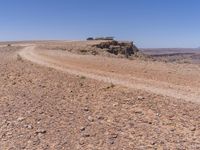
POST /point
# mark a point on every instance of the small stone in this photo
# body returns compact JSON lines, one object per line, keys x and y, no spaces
{"x":111,"y":141}
{"x":28,"y":126}
{"x":9,"y":134}
{"x":35,"y":141}
{"x":71,"y":112}
{"x":194,"y":138}
{"x":14,"y":83}
{"x":86,"y":135}
{"x":192,"y":129}
{"x":82,"y":128}
{"x":41,"y":112}
{"x":115,"y":104}
{"x":138,"y":112}
{"x":20,"y":119}
{"x":81,"y":141}
{"x":153,"y":143}
{"x":40,"y":131}
{"x":42,"y":86}
{"x":158,"y":114}
{"x":114,"y":136}
{"x":140,"y":98}
{"x":149,"y":122}
{"x":172,"y":129}
{"x":86,"y":109}
{"x":91,"y":119}
{"x":100,"y":117}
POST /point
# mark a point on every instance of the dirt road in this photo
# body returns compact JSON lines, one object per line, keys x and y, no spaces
{"x":174,"y":80}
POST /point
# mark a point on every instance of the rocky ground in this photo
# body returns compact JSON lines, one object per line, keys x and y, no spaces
{"x":42,"y":108}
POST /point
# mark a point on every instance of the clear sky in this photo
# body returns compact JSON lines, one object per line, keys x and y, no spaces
{"x":149,"y":23}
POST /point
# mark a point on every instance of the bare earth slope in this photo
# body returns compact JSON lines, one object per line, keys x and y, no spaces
{"x":43,"y":108}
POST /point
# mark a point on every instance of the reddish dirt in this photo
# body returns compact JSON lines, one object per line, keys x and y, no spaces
{"x":45,"y":108}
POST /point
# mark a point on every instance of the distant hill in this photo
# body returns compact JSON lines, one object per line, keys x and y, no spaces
{"x":160,"y":51}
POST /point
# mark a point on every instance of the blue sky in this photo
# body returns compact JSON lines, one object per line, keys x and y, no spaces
{"x":149,"y":23}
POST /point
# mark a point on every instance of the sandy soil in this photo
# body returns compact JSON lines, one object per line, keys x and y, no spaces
{"x":57,"y":100}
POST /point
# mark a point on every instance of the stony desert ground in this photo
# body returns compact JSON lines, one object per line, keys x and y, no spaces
{"x":54,"y":98}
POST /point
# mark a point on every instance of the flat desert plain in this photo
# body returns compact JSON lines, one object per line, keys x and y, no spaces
{"x":54,"y":98}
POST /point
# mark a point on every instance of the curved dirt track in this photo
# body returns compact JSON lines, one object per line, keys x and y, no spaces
{"x":159,"y":78}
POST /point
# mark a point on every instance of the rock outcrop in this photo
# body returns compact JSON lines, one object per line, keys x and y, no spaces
{"x":116,"y":47}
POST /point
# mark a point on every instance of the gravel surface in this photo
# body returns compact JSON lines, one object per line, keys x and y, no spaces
{"x":41,"y":108}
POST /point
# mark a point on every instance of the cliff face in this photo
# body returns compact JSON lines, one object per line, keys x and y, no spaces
{"x":116,"y":47}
